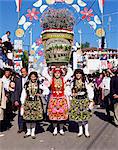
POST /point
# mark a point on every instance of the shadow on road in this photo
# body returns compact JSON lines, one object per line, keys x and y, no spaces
{"x":73,"y":127}
{"x":6,"y":124}
{"x":39,"y":128}
{"x":104,"y":117}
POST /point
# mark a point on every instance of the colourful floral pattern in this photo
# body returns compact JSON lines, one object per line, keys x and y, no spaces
{"x":33,"y":110}
{"x":79,"y":110}
{"x":87,"y":14}
{"x":32,"y":14}
{"x":58,"y":108}
{"x":79,"y":105}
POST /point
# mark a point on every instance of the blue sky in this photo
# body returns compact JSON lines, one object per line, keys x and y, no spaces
{"x":8,"y":21}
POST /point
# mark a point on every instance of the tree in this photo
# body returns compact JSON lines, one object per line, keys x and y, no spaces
{"x":85,"y":45}
{"x":25,"y":58}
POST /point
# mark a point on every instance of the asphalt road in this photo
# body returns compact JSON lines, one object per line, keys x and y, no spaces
{"x":104,"y":136}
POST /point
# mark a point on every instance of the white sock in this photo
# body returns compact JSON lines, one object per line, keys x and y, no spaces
{"x":55,"y":128}
{"x":86,"y":130}
{"x":28,"y":128}
{"x":61,"y":129}
{"x":80,"y":130}
{"x":33,"y":125}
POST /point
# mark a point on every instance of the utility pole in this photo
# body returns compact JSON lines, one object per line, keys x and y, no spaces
{"x":75,"y":56}
{"x":80,"y":38}
{"x":30,"y":38}
{"x":30,"y":47}
{"x":109,"y":29}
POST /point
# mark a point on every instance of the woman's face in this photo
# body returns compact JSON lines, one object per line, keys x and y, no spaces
{"x":33,"y":78}
{"x":57,"y":74}
{"x":12,"y":84}
{"x":78,"y":76}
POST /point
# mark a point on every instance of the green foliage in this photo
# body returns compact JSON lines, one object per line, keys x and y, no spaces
{"x":57,"y":19}
{"x":25,"y":58}
{"x":85,"y":45}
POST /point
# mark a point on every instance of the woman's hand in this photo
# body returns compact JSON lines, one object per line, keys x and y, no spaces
{"x":91,"y":105}
{"x":115,"y":96}
{"x":38,"y":94}
{"x":16,"y":104}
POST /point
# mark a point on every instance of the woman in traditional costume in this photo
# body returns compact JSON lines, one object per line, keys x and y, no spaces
{"x":31,"y":109}
{"x":82,"y":102}
{"x":58,"y":102}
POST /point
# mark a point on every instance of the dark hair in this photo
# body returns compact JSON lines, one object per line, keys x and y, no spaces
{"x":24,"y":68}
{"x":7,"y":69}
{"x":90,"y":78}
{"x":33,"y":73}
{"x":8,"y":32}
{"x":79,"y":71}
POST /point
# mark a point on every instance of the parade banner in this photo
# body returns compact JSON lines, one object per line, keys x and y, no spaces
{"x":101,"y":5}
{"x":93,"y":64}
{"x":18,"y":54}
{"x":18,"y":44}
{"x":18,"y":65}
{"x":103,"y":64}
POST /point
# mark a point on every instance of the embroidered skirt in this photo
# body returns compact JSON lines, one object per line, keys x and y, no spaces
{"x":79,"y":110}
{"x":33,"y":110}
{"x":58,"y":108}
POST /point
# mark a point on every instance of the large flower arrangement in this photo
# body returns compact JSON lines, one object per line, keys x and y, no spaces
{"x":57,"y":19}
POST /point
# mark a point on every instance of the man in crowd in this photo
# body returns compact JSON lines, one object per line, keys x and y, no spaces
{"x":6,"y":78}
{"x":1,"y":54}
{"x":8,"y":111}
{"x":19,"y":84}
{"x":5,"y":38}
{"x":114,"y":95}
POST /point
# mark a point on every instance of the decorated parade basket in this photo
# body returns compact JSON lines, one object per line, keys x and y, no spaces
{"x":57,"y":35}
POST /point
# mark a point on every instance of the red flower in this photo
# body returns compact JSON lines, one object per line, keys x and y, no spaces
{"x":20,"y":51}
{"x":39,"y":42}
{"x":32,"y":14}
{"x":87,"y":14}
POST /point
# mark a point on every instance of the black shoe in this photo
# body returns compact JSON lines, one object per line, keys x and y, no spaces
{"x":54,"y":134}
{"x":34,"y":137}
{"x":25,"y":136}
{"x":87,"y":136}
{"x":20,"y":131}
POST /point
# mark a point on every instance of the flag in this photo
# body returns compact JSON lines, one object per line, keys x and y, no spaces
{"x":101,"y":5}
{"x":18,"y":5}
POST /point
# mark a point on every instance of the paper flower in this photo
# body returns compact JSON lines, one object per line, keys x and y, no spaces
{"x":17,"y":64}
{"x":20,"y":51}
{"x":32,"y":52}
{"x":39,"y":42}
{"x":40,"y":53}
{"x":87,"y":14}
{"x":32,"y":14}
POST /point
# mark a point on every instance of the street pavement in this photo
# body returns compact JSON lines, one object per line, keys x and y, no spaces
{"x":104,"y":136}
